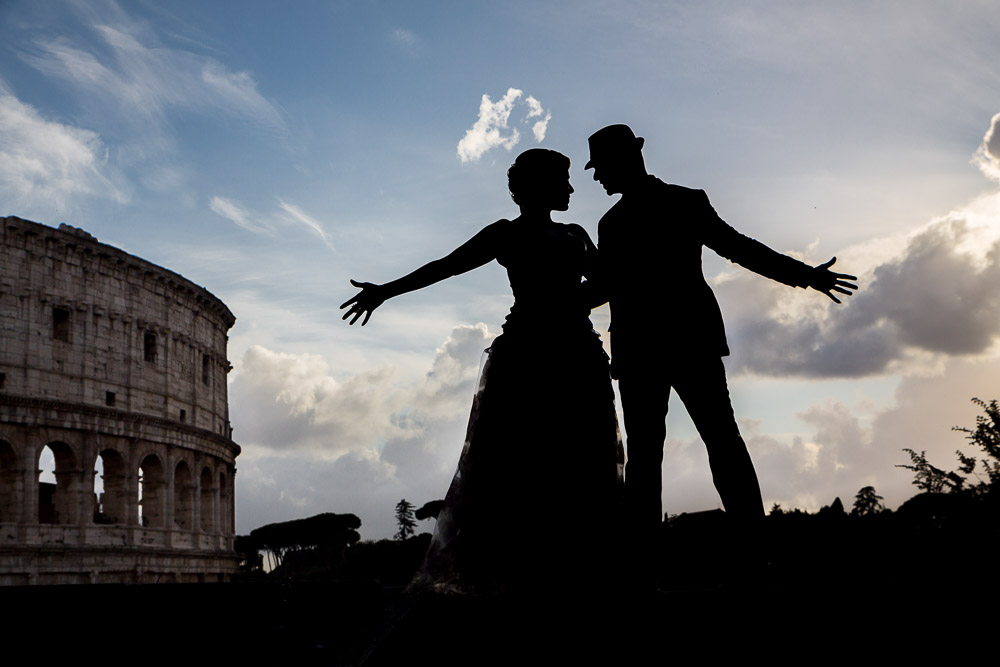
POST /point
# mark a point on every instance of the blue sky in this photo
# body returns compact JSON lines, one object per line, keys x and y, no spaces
{"x":272,"y":151}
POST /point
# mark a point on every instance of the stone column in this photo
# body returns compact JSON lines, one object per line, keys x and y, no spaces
{"x":29,"y":492}
{"x":168,"y":501}
{"x":196,"y":529}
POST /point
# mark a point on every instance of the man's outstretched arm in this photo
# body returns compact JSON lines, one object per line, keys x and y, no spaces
{"x":759,"y":258}
{"x":826,"y":281}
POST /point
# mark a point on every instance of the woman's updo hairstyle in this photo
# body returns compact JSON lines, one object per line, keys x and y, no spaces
{"x":530,"y":177}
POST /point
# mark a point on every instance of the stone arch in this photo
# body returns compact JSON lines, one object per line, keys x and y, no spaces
{"x":152,"y":492}
{"x":183,"y":497}
{"x":208,"y":494}
{"x":57,"y":502}
{"x":111,"y":505}
{"x":9,"y":505}
{"x":223,"y":504}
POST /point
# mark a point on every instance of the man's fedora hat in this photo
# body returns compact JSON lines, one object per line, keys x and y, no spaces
{"x":612,"y":140}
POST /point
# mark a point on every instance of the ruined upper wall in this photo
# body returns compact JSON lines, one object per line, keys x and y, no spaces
{"x":84,"y":322}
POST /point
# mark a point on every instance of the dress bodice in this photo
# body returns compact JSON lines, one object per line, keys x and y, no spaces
{"x":545,"y":264}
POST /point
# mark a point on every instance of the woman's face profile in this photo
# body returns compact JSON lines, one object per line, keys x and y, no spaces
{"x":560,"y":191}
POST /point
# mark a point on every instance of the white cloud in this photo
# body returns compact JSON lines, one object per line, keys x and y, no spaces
{"x":44,"y":163}
{"x":538,"y":129}
{"x":491,"y":129}
{"x":303,"y":219}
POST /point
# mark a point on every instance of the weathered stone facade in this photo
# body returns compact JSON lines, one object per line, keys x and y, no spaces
{"x":110,"y":361}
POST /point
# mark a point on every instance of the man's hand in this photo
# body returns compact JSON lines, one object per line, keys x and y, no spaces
{"x":364,"y":302}
{"x":826,"y":281}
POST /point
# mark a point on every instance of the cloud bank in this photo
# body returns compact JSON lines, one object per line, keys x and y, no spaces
{"x":314,"y":443}
{"x":843,"y":447}
{"x":491,"y":129}
{"x":934,"y":299}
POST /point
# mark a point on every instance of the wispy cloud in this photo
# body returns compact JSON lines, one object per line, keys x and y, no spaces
{"x":44,"y":163}
{"x":302,"y":218}
{"x":144,"y":80}
{"x":492,"y":128}
{"x":267,"y":224}
{"x":233,"y":212}
{"x":404,"y":36}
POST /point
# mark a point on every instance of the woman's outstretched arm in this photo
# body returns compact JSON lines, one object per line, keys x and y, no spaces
{"x":477,"y":251}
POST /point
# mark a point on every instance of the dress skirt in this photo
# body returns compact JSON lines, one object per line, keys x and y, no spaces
{"x":538,"y":493}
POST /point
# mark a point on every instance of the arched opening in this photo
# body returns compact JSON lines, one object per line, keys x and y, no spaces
{"x":223,"y":505}
{"x":207,"y":501}
{"x":151,"y":494}
{"x":110,"y":488}
{"x":57,"y":484}
{"x":183,"y":497}
{"x":8,"y":483}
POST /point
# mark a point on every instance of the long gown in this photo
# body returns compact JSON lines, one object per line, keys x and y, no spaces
{"x":537,"y":494}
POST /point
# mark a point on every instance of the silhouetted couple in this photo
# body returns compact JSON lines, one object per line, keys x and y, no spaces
{"x":537,"y":499}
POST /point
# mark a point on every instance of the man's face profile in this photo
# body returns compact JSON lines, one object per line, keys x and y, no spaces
{"x":605,"y":173}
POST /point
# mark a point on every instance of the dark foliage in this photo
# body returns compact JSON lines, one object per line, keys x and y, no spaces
{"x":329,"y":534}
{"x":429,"y":510}
{"x":405,"y":519}
{"x":867,"y":502}
{"x":986,"y":436}
{"x":390,"y":562}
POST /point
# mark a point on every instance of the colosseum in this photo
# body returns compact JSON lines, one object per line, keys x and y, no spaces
{"x":116,"y":451}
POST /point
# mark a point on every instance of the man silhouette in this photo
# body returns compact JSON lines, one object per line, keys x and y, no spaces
{"x":666,"y":325}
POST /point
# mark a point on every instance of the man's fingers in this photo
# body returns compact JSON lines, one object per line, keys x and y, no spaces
{"x":844,"y":283}
{"x":367,"y":315}
{"x":835,"y":299}
{"x":348,"y":302}
{"x":842,"y":290}
{"x":844,"y":276}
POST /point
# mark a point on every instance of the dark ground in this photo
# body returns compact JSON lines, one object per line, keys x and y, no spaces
{"x":354,"y":623}
{"x":837,"y":589}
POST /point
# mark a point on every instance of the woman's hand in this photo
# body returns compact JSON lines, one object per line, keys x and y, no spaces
{"x":364,"y":302}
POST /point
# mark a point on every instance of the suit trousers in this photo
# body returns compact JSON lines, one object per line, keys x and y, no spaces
{"x":700,"y":382}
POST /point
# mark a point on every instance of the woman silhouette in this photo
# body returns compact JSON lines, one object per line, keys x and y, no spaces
{"x":539,"y":480}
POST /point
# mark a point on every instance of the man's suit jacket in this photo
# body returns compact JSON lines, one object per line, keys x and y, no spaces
{"x":650,"y":245}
